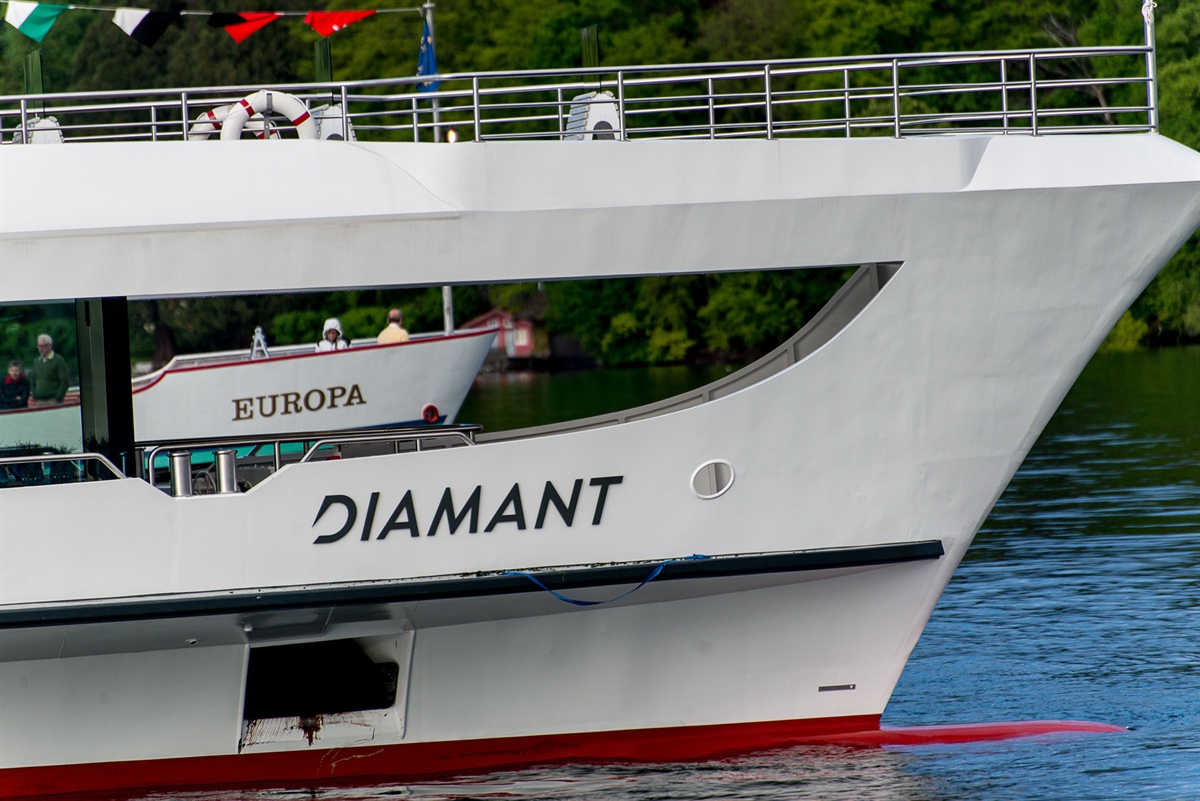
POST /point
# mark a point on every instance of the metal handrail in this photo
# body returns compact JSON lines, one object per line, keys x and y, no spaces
{"x":78,"y":458}
{"x":465,"y":437}
{"x":710,"y":100}
{"x":153,"y":450}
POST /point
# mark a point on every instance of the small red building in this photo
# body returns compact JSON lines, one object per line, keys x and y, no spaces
{"x":515,"y":337}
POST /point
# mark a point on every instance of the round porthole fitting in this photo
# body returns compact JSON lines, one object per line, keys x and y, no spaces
{"x":712,"y":479}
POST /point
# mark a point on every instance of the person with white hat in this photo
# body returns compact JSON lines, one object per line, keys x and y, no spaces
{"x":332,"y":339}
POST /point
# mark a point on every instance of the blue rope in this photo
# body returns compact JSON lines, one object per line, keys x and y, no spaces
{"x":653,"y":574}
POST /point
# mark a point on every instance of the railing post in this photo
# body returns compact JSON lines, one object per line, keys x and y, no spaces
{"x":448,"y":309}
{"x":416,"y":124}
{"x":183,"y":107}
{"x":1004,"y":93}
{"x":345,"y":114}
{"x":477,"y":110}
{"x":24,"y":122}
{"x":1151,"y":67}
{"x":621,"y":105}
{"x":558,"y":96}
{"x":712,"y":112}
{"x":1033,"y":93}
{"x":767,"y":97}
{"x":154,"y":123}
{"x":846,"y":99}
{"x":896,"y":98}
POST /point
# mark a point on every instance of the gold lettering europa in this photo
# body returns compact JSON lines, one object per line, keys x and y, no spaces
{"x":281,"y":403}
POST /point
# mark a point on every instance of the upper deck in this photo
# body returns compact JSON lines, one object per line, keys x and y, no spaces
{"x":138,"y":195}
{"x":1038,"y":92}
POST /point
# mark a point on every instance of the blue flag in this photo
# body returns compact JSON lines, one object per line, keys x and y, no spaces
{"x":427,"y":61}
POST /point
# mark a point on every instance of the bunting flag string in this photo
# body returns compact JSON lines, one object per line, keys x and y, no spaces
{"x":32,"y":19}
{"x":240,"y":26}
{"x":328,"y":23}
{"x":146,"y":27}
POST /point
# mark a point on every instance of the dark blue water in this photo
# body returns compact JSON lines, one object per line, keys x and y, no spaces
{"x":1080,"y":599}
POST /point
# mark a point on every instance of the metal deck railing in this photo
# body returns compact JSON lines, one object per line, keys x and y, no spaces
{"x":195,"y":466}
{"x":1032,"y":92}
{"x":250,"y":460}
{"x":56,"y":468}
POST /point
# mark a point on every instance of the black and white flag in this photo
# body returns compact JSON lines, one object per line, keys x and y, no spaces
{"x":144,"y":26}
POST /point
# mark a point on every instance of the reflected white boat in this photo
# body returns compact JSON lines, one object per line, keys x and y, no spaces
{"x":294,"y":390}
{"x":56,"y":427}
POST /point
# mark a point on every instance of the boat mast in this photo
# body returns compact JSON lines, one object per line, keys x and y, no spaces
{"x":447,"y":292}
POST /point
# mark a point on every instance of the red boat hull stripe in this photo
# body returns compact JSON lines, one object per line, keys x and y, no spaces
{"x":404,"y":762}
{"x":411,"y":761}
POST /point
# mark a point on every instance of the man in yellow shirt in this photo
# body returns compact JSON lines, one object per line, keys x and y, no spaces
{"x":394,"y":332}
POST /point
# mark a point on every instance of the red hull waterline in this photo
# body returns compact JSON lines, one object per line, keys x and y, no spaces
{"x":416,"y":761}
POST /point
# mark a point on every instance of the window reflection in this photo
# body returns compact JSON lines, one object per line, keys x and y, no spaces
{"x":39,"y":399}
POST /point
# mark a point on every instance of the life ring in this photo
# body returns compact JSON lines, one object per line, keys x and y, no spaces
{"x":430,"y":414}
{"x":290,"y":106}
{"x":209,"y":122}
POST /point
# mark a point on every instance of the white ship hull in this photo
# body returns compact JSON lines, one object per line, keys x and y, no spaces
{"x":786,"y":605}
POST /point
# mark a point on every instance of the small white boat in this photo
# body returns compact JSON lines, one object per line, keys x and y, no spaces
{"x":421,"y":381}
{"x":745,"y":566}
{"x":290,"y":391}
{"x":56,"y":427}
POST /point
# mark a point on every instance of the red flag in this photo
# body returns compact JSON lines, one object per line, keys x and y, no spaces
{"x":329,"y":22}
{"x":250,"y":22}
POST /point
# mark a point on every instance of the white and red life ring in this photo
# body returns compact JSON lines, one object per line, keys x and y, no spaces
{"x":209,"y":122}
{"x":290,"y":106}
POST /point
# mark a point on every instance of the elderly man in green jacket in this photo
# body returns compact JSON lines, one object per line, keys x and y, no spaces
{"x":48,"y":376}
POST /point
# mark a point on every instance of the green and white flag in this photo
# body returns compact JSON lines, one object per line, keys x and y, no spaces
{"x":32,"y":19}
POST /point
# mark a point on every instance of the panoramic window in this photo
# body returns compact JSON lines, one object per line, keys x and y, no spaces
{"x":39,"y":397}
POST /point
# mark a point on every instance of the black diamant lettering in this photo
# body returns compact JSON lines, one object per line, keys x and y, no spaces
{"x":603,"y":483}
{"x":517,"y":515}
{"x":355,"y":398}
{"x":335,"y":394}
{"x":370,"y":517}
{"x":410,"y":518}
{"x":446,"y":507}
{"x":351,"y":514}
{"x":566,"y":511}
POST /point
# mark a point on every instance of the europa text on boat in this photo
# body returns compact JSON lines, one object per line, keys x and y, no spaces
{"x":314,"y":400}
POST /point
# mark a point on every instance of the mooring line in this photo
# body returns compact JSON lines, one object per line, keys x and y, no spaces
{"x":653,"y":574}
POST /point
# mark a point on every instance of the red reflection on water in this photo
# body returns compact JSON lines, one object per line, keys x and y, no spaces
{"x":965,"y":732}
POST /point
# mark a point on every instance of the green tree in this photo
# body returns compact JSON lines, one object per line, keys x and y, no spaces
{"x":1174,"y":297}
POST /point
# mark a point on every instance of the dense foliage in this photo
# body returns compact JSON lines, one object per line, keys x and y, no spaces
{"x":649,"y":320}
